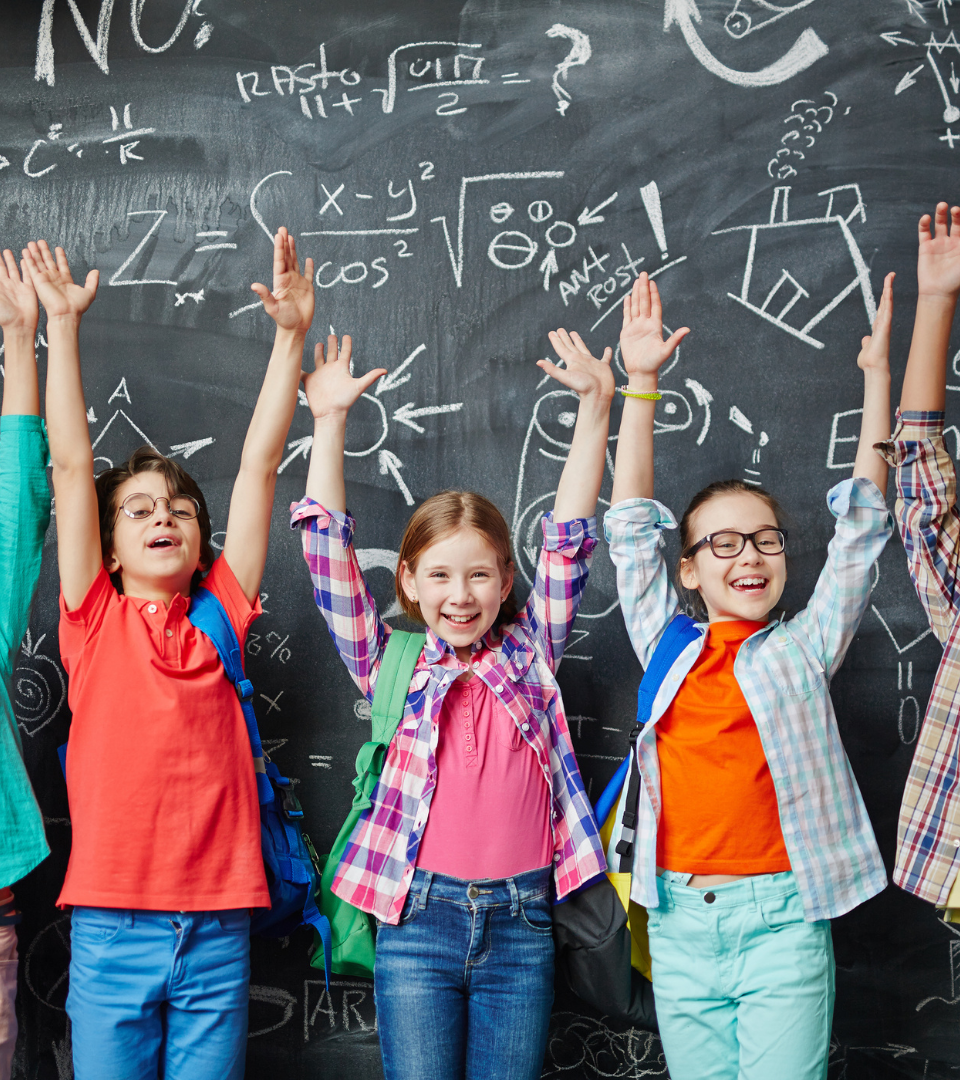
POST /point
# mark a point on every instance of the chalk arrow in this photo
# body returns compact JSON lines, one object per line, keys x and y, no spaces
{"x":3,"y":162}
{"x":406,"y":413}
{"x":91,"y":416}
{"x":704,"y":397}
{"x":549,"y":267}
{"x":907,"y":80}
{"x":396,"y":378}
{"x":893,"y":37}
{"x":188,"y":449}
{"x":806,"y":50}
{"x":390,"y":463}
{"x":954,"y":81}
{"x":594,"y":217}
{"x":300,"y":447}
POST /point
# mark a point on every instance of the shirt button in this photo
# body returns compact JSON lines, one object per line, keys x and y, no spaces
{"x":499,"y":688}
{"x":556,"y":857}
{"x":524,"y":727}
{"x":169,"y":633}
{"x":675,"y":677}
{"x":469,"y":747}
{"x":468,"y":737}
{"x":152,"y":608}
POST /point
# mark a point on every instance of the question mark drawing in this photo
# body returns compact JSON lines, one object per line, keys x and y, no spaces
{"x":580,"y":52}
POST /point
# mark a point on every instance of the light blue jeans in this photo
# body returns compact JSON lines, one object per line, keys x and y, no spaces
{"x":744,"y":986}
{"x":159,"y":993}
{"x":464,"y":984}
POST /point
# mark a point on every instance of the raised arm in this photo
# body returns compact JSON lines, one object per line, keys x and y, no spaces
{"x":643,"y":352}
{"x":592,"y":380}
{"x":290,"y":305}
{"x":19,"y":313}
{"x":874,"y":361}
{"x":78,"y":525}
{"x":331,"y":393}
{"x":938,"y":283}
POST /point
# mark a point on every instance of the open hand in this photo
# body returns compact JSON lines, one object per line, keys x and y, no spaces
{"x":938,"y":260}
{"x":290,"y":304}
{"x":331,"y":389}
{"x":583,"y":373}
{"x":642,"y":348}
{"x":875,"y":347}
{"x":18,"y":298}
{"x":50,"y":276}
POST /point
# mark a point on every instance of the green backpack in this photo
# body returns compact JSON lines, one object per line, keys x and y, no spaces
{"x":353,"y":941}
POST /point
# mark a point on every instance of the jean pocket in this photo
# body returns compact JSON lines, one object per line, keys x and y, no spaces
{"x":96,"y":924}
{"x":411,"y":909}
{"x":234,"y":920}
{"x":536,"y":913}
{"x":778,"y":912}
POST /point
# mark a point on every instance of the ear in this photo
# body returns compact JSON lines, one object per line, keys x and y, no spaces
{"x":507,"y":582}
{"x":111,"y":563}
{"x":408,"y":581}
{"x":688,"y":575}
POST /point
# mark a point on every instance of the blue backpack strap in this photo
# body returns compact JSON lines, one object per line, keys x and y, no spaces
{"x":680,"y":632}
{"x":208,"y":614}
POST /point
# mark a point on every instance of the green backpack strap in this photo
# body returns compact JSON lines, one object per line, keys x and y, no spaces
{"x":393,"y":682}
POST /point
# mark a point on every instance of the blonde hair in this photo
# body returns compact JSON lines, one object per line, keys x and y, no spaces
{"x":442,"y":515}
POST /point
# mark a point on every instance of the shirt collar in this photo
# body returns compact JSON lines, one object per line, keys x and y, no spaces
{"x":437,"y":651}
{"x":177,"y":606}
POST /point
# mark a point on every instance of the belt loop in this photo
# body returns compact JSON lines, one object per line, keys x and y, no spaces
{"x":425,"y":888}
{"x":514,"y":896}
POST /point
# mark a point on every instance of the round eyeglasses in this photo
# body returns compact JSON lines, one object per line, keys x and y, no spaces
{"x":140,"y":506}
{"x":728,"y":544}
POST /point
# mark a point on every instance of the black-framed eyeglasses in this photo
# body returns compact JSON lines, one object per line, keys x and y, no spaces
{"x":728,"y":544}
{"x":140,"y":506}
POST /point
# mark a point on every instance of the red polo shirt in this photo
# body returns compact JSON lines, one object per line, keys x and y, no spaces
{"x":163,"y":800}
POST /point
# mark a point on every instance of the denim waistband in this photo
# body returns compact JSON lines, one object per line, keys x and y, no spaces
{"x":481,"y":892}
{"x":747,"y":890}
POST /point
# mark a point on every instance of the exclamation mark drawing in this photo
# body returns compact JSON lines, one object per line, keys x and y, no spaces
{"x":650,"y":194}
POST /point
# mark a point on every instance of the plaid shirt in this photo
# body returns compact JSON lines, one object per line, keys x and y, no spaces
{"x":380,"y":858}
{"x":928,"y":832}
{"x":784,"y":671}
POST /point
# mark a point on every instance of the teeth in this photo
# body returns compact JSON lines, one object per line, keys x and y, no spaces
{"x":750,"y":581}
{"x":459,"y":618}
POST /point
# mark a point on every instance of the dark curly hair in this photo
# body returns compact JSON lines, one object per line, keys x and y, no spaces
{"x":179,"y":482}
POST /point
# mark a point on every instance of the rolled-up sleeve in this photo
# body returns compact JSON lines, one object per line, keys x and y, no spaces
{"x":634,"y":530}
{"x":926,"y":512}
{"x":562,"y":572}
{"x":340,"y":590}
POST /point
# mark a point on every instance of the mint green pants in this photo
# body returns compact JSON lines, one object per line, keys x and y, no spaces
{"x":744,"y":986}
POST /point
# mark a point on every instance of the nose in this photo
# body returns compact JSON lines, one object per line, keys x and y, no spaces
{"x":460,"y":591}
{"x":751,"y":553}
{"x":161,"y":513}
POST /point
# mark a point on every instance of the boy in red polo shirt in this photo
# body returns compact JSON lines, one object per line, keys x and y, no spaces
{"x":165,"y":862}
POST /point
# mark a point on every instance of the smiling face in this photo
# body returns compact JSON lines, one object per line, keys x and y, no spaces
{"x":748,"y":586}
{"x":158,"y":555}
{"x":459,"y":583}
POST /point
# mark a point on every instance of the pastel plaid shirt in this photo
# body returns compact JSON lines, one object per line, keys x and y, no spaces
{"x":380,"y":858}
{"x":928,"y":832}
{"x":784,"y":671}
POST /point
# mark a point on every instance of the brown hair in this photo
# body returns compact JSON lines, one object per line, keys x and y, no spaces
{"x":179,"y":482}
{"x":442,"y":515}
{"x":691,"y":597}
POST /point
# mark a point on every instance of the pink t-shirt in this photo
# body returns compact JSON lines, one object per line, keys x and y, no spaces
{"x":490,"y":813}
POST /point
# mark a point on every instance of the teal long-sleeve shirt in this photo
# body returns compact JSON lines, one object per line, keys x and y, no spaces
{"x":24,"y":516}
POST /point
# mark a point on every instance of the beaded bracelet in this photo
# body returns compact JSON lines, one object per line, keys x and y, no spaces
{"x":627,"y":392}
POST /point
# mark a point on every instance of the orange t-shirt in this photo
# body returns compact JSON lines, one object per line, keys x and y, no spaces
{"x":163,"y":799}
{"x":719,"y":807}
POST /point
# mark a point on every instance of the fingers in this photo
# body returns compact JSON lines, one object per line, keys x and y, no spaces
{"x":940,"y":220}
{"x":656,"y":308}
{"x":923,"y":228}
{"x":10,"y":265}
{"x":308,"y":270}
{"x":366,"y":381}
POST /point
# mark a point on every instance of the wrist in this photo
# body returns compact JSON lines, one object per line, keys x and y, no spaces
{"x":643,"y":383}
{"x":935,"y":297}
{"x":19,"y":333}
{"x":68,"y":320}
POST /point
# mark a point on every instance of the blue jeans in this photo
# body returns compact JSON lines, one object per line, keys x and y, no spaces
{"x":159,"y":993}
{"x":744,"y":986}
{"x":464,"y":983}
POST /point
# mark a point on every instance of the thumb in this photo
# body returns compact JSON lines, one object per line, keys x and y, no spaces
{"x":366,"y":381}
{"x":93,"y":282}
{"x":269,"y":300}
{"x":676,"y":337}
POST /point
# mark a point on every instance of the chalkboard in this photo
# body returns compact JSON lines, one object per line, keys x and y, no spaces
{"x":467,"y":177}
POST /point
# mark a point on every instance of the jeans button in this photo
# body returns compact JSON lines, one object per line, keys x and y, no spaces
{"x":473,"y":892}
{"x":708,"y":898}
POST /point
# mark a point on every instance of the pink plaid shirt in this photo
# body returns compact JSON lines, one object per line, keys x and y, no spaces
{"x":519,"y":668}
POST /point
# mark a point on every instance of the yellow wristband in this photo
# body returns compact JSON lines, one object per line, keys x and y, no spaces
{"x":627,"y":392}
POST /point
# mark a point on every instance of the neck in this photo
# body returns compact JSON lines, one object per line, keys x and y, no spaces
{"x":159,"y":591}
